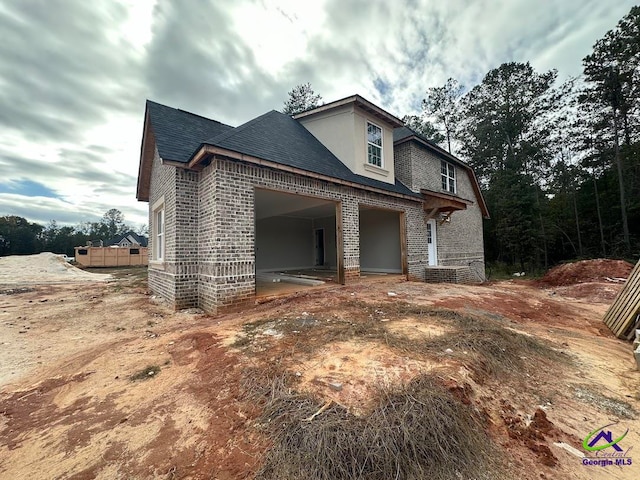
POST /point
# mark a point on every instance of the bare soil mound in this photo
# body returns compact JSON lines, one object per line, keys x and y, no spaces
{"x":43,"y":268}
{"x":598,"y":270}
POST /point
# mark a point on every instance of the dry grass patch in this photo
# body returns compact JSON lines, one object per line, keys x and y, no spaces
{"x":416,"y":431}
{"x":485,"y":345}
{"x":495,"y":349}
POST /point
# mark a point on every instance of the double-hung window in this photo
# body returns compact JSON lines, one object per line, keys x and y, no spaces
{"x":448,"y":176}
{"x":158,"y":231}
{"x":160,"y":234}
{"x":374,"y":145}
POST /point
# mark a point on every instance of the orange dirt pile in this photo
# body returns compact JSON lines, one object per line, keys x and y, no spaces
{"x":584,"y":271}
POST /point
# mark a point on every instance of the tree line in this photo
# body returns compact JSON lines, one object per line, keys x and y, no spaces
{"x":558,"y":163}
{"x":18,"y":236}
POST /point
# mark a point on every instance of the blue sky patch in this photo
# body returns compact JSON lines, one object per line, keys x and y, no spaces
{"x":28,"y":188}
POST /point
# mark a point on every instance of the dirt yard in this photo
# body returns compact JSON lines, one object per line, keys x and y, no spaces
{"x":100,"y":380}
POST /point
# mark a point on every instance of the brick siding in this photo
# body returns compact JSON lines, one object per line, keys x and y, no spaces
{"x":460,"y":240}
{"x":209,"y":258}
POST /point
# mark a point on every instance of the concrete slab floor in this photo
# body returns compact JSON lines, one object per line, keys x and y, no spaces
{"x":268,"y":288}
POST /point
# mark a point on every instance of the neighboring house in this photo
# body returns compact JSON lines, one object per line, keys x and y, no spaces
{"x":343,"y":187}
{"x":128,"y":239}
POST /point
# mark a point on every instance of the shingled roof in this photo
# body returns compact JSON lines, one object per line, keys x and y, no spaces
{"x":179,"y":133}
{"x":403,"y":134}
{"x":279,"y":138}
{"x":274,"y":136}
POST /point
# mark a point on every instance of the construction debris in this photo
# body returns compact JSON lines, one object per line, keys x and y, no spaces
{"x":623,"y":317}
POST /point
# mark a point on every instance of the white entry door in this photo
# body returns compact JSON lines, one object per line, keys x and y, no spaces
{"x":431,"y":243}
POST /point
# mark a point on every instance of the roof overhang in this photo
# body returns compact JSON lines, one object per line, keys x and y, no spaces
{"x":147,"y":152}
{"x":207,"y":153}
{"x":436,"y":203}
{"x":357,"y":101}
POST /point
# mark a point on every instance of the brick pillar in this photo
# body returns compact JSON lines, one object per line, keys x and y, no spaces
{"x":351,"y":238}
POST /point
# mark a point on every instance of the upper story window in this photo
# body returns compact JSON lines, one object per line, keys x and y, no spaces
{"x":448,"y":175}
{"x":374,"y":145}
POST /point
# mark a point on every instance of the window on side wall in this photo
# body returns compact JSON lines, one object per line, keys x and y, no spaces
{"x":374,"y":145}
{"x":448,"y":176}
{"x":158,"y":233}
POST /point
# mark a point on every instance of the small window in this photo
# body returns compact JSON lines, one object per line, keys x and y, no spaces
{"x":158,"y":230}
{"x":374,"y":145}
{"x":448,"y":175}
{"x":82,"y":251}
{"x":134,"y":251}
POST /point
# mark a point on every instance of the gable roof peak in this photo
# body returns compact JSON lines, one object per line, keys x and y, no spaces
{"x":358,"y":101}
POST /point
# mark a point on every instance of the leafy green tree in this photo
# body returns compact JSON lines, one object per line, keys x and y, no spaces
{"x":423,"y":127}
{"x":507,"y":144}
{"x":500,"y":129}
{"x":443,"y":104}
{"x":112,"y":224}
{"x":301,"y":98}
{"x":612,"y":77}
{"x":143,"y":230}
{"x":62,"y":239}
{"x":19,"y":236}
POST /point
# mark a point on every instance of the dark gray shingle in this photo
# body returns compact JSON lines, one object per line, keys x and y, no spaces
{"x":273,"y":136}
{"x":179,"y":133}
{"x":279,"y":138}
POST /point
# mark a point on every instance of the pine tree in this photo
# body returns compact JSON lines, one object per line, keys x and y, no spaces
{"x":301,"y":98}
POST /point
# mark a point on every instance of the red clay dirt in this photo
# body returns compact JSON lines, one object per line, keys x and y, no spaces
{"x":585,"y":271}
{"x":69,"y":408}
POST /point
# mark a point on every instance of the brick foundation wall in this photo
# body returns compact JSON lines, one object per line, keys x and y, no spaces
{"x":450,"y":275}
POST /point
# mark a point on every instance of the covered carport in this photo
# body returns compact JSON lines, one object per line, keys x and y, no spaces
{"x":296,"y":244}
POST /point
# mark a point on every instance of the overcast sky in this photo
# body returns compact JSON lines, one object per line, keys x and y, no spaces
{"x":74,"y":74}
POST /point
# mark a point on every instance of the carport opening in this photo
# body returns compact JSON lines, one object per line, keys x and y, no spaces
{"x":296,"y":243}
{"x":381,"y":241}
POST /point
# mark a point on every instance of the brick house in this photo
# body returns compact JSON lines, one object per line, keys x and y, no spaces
{"x":128,"y":239}
{"x":343,"y":188}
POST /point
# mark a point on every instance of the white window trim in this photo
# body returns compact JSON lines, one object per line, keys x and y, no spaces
{"x":381,"y":146}
{"x":377,"y":170}
{"x":159,"y":239}
{"x":450,"y":167}
{"x":159,"y":250}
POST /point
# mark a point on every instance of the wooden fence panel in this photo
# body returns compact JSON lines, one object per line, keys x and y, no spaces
{"x":112,"y":257}
{"x":623,"y":314}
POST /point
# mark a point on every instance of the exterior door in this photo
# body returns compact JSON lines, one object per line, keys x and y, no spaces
{"x":432,"y":247}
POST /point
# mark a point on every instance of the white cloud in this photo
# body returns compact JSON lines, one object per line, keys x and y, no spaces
{"x":74,"y":76}
{"x":44,"y":209}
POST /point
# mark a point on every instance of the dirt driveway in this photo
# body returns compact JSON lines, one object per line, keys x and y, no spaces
{"x":101,"y":380}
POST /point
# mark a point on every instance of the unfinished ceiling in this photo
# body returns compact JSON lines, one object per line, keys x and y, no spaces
{"x":273,"y":204}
